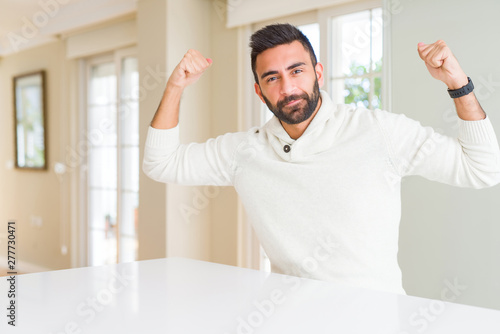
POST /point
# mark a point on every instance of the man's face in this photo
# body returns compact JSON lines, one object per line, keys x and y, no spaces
{"x":288,"y":83}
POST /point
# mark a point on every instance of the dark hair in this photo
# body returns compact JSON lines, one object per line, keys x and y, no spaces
{"x":274,"y":35}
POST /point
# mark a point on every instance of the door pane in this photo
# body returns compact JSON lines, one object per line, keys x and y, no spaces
{"x":129,"y":121}
{"x":129,"y":159}
{"x":101,"y":127}
{"x":130,"y":168}
{"x":102,"y":88}
{"x":102,"y":164}
{"x":103,"y":249}
{"x":103,"y":209}
{"x":113,"y":161}
{"x":102,"y":167}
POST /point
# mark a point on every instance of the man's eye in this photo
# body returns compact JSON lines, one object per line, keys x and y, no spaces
{"x":271,"y":79}
{"x":297,"y":71}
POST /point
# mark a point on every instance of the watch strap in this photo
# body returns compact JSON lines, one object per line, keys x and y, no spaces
{"x":455,"y":93}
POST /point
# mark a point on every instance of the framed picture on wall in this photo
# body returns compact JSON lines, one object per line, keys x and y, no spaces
{"x":30,"y":121}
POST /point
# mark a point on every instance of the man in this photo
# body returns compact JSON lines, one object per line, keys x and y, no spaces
{"x":321,"y":182}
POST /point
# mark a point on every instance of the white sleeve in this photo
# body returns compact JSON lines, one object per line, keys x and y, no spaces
{"x":471,"y":160}
{"x":208,"y":163}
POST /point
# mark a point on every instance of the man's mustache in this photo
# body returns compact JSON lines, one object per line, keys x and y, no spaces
{"x":291,"y":98}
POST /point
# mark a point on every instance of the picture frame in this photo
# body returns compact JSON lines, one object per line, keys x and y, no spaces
{"x":30,"y":121}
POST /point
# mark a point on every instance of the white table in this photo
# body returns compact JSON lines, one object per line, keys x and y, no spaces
{"x":177,"y":295}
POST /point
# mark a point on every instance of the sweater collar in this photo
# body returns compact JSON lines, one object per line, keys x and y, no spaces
{"x":313,"y":140}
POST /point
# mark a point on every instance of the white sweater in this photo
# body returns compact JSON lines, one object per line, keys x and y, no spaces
{"x":330,"y":207}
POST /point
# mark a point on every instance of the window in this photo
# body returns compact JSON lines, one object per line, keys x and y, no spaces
{"x":356,"y":74}
{"x":113,"y":158}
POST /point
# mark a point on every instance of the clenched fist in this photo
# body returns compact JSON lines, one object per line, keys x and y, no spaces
{"x":442,"y":64}
{"x":189,"y":70}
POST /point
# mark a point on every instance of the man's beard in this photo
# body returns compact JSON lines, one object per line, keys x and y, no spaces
{"x":297,"y":113}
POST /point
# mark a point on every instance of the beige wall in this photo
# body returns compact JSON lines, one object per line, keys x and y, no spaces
{"x":224,"y":92}
{"x":152,"y":195}
{"x":26,"y":194}
{"x":200,"y":221}
{"x":188,"y":26}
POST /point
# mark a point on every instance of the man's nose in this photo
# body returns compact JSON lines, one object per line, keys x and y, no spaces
{"x":287,"y":85}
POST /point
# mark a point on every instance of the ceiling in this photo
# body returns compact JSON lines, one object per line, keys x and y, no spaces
{"x":28,"y":23}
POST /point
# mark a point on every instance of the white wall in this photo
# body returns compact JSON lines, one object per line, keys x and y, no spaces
{"x":448,"y":233}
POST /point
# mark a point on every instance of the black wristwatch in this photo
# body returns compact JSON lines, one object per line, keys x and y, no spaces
{"x":454,"y":93}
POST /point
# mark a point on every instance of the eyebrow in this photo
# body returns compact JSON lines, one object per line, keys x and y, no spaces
{"x":288,"y":69}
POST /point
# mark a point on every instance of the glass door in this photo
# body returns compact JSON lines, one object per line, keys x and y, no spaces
{"x":113,"y":158}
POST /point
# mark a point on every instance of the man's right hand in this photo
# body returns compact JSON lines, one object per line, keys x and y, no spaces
{"x":189,"y":70}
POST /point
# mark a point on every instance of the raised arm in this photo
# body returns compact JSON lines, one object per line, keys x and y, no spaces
{"x":443,"y":66}
{"x":187,"y":72}
{"x":165,"y":158}
{"x":470,"y":160}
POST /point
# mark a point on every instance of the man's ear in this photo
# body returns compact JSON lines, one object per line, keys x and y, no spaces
{"x":319,"y":74}
{"x":258,"y":92}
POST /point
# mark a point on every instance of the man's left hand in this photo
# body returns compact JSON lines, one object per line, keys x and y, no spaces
{"x":442,"y":64}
